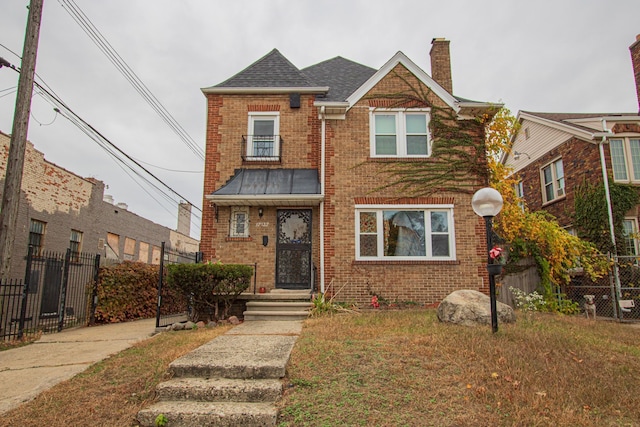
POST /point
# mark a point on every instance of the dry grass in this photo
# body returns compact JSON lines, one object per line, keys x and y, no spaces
{"x":404,"y":368}
{"x":111,"y":392}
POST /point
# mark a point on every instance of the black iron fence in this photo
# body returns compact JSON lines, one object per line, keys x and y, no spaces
{"x":58,"y":292}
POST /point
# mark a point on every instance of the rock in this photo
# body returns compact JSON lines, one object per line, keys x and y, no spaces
{"x":234,"y":320}
{"x":200,"y":324}
{"x":189,"y":325}
{"x":177,"y":327}
{"x":470,"y":308}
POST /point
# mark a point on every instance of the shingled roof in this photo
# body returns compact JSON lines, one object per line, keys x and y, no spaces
{"x":272,"y":70}
{"x":341,"y":75}
{"x":568,"y":119}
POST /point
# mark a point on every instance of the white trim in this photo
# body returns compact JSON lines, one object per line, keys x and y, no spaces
{"x":266,"y":199}
{"x":628,"y":159}
{"x":426,"y":209}
{"x":233,"y":223}
{"x":558,"y":192}
{"x":256,"y":115}
{"x":400,"y":131}
{"x":401,"y":58}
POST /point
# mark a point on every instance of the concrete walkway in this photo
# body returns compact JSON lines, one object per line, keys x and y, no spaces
{"x":27,"y":371}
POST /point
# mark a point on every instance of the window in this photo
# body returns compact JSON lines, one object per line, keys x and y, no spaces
{"x":239,"y":223}
{"x":625,"y":159}
{"x":630,"y":233}
{"x":404,"y":233}
{"x":263,"y":140}
{"x":75,"y":243}
{"x":36,"y":236}
{"x":553,"y":181}
{"x":519,"y":190}
{"x":400,"y":133}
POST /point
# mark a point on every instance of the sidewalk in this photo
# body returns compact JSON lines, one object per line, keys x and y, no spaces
{"x":27,"y":371}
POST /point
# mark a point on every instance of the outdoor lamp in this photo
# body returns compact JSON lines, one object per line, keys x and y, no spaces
{"x":487,"y":203}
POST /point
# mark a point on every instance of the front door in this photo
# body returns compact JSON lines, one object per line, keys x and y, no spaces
{"x":293,"y":249}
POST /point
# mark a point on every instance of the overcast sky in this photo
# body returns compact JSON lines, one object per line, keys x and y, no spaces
{"x":554,"y":56}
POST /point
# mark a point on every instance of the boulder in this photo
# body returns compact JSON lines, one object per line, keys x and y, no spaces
{"x":470,"y":308}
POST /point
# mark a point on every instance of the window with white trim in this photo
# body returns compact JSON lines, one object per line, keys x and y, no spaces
{"x":404,"y":233}
{"x":519,"y":190}
{"x":630,"y":233}
{"x":625,"y":159}
{"x":400,"y":133}
{"x":263,"y":141}
{"x":239,"y":222}
{"x":552,"y":177}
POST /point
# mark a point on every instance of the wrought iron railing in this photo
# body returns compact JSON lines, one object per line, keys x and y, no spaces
{"x":261,"y":148}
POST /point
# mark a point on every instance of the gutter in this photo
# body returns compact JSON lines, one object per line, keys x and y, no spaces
{"x":323,"y":136}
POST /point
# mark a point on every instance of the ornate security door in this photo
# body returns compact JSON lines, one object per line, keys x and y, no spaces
{"x":293,"y":249}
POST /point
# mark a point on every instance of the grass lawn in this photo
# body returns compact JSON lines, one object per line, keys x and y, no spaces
{"x":394,"y":368}
{"x":404,"y":368}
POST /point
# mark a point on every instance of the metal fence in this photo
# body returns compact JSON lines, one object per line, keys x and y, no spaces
{"x":617,"y":294}
{"x":167,"y":301}
{"x":58,"y":292}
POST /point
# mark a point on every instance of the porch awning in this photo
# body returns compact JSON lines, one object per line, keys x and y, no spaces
{"x":269,"y":187}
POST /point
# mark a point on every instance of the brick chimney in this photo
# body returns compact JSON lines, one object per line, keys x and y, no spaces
{"x":635,"y":61}
{"x":441,"y":63}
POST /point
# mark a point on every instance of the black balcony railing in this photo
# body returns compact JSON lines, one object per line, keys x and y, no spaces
{"x":261,"y":148}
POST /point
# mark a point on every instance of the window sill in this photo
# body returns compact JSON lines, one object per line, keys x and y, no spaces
{"x":238,"y":239}
{"x":406,"y":262}
{"x":398,"y":159}
{"x":545,"y":204}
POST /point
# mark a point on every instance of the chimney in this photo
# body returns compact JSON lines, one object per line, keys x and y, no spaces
{"x":635,"y":61}
{"x":184,"y":218}
{"x":441,"y":63}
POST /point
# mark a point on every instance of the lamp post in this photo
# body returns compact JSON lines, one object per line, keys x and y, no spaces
{"x":487,"y":203}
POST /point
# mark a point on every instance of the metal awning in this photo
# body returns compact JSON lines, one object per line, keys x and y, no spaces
{"x":269,"y":187}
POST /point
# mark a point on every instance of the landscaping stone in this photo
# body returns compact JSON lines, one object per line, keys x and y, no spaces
{"x":234,"y":320}
{"x":471,"y":308}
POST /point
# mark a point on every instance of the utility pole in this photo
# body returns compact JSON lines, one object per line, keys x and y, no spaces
{"x":15,"y":162}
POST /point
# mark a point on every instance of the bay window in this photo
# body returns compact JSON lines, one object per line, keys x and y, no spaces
{"x":404,"y":233}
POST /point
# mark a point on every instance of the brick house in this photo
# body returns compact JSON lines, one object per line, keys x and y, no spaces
{"x":555,"y":153}
{"x":295,"y":173}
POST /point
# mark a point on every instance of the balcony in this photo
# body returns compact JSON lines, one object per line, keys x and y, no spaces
{"x":261,"y":148}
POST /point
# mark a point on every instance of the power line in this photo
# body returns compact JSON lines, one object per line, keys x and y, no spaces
{"x":107,"y":49}
{"x":110,"y":148}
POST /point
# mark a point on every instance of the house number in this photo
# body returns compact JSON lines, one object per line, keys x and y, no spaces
{"x":262,"y":224}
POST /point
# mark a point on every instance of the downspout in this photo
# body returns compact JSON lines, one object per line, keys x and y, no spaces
{"x":323,"y":136}
{"x":607,"y":194}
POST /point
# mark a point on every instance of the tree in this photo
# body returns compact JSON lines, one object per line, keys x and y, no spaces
{"x":534,"y":234}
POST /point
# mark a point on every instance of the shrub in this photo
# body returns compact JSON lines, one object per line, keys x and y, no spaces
{"x":207,"y":286}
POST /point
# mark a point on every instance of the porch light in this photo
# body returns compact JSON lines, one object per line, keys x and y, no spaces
{"x":487,"y":203}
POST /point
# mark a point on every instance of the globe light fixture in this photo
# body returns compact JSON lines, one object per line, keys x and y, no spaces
{"x":487,"y":203}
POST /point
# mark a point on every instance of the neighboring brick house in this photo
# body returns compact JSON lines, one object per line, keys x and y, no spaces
{"x":555,"y":153}
{"x":294,"y":179}
{"x":59,"y":209}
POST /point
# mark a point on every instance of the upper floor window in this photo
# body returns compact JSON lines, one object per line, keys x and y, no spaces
{"x":630,"y":233}
{"x":75,"y":243}
{"x":625,"y":159}
{"x":36,"y":236}
{"x":263,"y":141}
{"x":404,"y":233}
{"x":400,"y":133}
{"x":519,"y":190}
{"x":552,"y":176}
{"x":239,"y":223}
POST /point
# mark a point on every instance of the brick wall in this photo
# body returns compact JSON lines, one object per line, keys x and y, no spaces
{"x":635,"y":61}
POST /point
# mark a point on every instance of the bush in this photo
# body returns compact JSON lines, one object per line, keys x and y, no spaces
{"x":207,"y":286}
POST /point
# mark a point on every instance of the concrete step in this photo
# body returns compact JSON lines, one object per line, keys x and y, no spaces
{"x":253,"y":315}
{"x":278,"y":305}
{"x":237,"y":357}
{"x":205,"y":414}
{"x":219,"y":390}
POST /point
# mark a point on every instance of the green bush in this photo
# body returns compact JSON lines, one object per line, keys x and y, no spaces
{"x":208,"y":286}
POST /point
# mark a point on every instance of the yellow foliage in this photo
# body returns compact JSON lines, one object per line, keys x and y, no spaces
{"x":535,"y":234}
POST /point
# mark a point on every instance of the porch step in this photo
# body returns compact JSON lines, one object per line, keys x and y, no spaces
{"x":220,"y":390}
{"x":251,"y":315}
{"x":199,"y":414}
{"x":278,"y":305}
